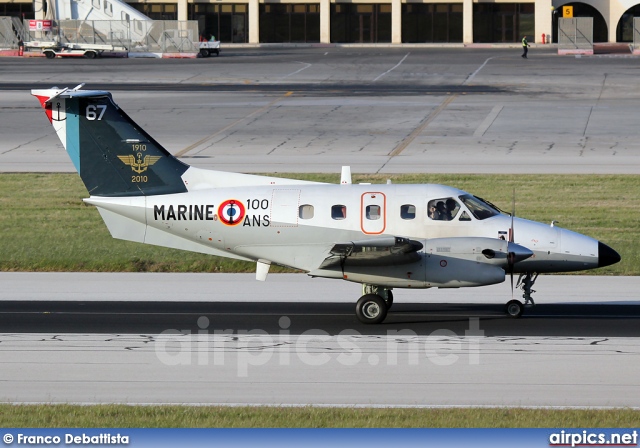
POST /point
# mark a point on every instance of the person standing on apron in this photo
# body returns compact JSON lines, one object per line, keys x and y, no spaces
{"x":525,"y":47}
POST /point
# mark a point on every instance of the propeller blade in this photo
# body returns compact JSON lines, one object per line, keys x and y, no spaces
{"x":511,"y":260}
{"x":515,"y":252}
{"x":512,"y":284}
{"x":513,"y":214}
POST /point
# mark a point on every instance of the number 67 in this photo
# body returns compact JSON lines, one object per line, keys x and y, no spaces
{"x":92,"y":114}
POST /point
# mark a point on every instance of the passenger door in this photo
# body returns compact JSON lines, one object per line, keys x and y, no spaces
{"x":373,"y":217}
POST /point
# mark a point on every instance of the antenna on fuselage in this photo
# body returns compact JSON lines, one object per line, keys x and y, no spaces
{"x":345,"y":176}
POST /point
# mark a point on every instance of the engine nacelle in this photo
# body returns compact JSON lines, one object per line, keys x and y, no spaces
{"x":469,"y":261}
{"x":450,"y":272}
{"x":485,"y":250}
{"x":444,"y":263}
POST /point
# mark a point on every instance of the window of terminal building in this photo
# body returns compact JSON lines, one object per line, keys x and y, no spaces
{"x":360,"y":23}
{"x":280,"y":22}
{"x":18,"y":10}
{"x":227,"y":22}
{"x":431,"y":22}
{"x":503,"y":22}
{"x":600,"y":28}
{"x":624,"y":30}
{"x":157,"y":11}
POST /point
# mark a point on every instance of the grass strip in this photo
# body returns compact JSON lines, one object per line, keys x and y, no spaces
{"x":45,"y":226}
{"x":124,"y":416}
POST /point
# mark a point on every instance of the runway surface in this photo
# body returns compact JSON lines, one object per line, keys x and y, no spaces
{"x":218,"y":339}
{"x":403,"y":110}
{"x":152,"y":303}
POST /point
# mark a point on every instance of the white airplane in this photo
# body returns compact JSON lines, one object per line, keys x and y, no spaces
{"x":382,"y":236}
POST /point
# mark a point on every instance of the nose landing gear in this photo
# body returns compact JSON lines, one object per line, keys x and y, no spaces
{"x":515,"y":308}
{"x":525,"y":282}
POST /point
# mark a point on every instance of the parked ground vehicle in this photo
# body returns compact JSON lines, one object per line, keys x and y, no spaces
{"x":209,"y":48}
{"x":51,"y":49}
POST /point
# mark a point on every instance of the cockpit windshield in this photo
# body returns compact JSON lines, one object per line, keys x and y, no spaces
{"x":480,"y":209}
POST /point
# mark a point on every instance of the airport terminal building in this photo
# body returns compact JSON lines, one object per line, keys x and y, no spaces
{"x":378,"y":21}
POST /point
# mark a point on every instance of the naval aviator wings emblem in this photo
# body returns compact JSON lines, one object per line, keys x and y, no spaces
{"x":139,"y":165}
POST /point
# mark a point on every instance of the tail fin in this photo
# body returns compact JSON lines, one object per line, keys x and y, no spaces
{"x":112,"y":154}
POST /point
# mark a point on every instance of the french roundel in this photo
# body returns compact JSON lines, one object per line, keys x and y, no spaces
{"x":231,"y":212}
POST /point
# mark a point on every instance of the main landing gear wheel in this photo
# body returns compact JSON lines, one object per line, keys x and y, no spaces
{"x":380,"y":291}
{"x":514,"y":308}
{"x":371,"y":309}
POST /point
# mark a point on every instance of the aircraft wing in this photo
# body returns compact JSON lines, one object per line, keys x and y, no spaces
{"x":373,"y":252}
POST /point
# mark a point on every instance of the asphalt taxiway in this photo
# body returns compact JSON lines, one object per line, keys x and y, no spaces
{"x":380,"y":110}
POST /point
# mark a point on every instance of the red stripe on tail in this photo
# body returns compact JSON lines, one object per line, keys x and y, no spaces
{"x":46,"y":106}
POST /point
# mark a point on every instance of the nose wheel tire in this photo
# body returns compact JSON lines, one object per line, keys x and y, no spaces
{"x":514,"y":308}
{"x":371,"y":309}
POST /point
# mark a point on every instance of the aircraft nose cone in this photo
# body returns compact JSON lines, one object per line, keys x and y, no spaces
{"x":607,"y":256}
{"x":518,"y":252}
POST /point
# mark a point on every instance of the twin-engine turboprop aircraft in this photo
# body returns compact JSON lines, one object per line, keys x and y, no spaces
{"x":382,"y":236}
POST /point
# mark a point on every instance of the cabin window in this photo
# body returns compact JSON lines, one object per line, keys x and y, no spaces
{"x":408,"y":211}
{"x":138,"y":25}
{"x":125,"y":16}
{"x":108,"y":8}
{"x":478,"y":208}
{"x":373,"y":212}
{"x":305,"y":211}
{"x":339,"y":211}
{"x":96,"y":3}
{"x":444,"y":209}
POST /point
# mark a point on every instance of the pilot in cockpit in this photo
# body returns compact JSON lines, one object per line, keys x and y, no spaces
{"x":442,"y":211}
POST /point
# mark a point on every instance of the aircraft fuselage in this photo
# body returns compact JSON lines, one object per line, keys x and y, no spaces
{"x":296,"y":225}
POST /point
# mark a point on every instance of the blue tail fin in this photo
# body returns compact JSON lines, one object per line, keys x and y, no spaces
{"x":112,"y":154}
